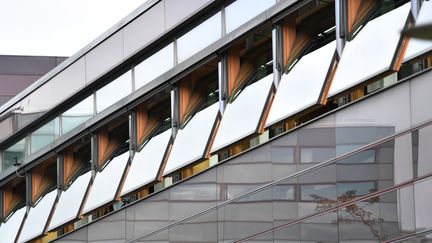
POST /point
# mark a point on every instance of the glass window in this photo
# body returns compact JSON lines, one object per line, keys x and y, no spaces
{"x":355,"y":189}
{"x":114,"y":91}
{"x":310,"y":155}
{"x":283,"y":192}
{"x":241,"y":11}
{"x":45,"y":135}
{"x":317,"y":192}
{"x":154,"y":66}
{"x":367,"y":156}
{"x":78,"y":114}
{"x":282,"y":154}
{"x":199,"y":37}
{"x":16,"y":152}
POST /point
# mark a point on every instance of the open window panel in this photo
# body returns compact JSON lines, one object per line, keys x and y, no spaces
{"x":43,"y":178}
{"x":198,"y":114}
{"x":11,"y":226}
{"x":250,"y":80}
{"x":75,"y":179}
{"x":111,"y":171}
{"x":309,"y":54}
{"x":153,"y":128}
{"x":373,"y":55}
{"x":418,"y":55}
{"x":38,"y":216}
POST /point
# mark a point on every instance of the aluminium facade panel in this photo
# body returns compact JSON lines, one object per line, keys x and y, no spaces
{"x":301,"y":88}
{"x":70,"y":202}
{"x":176,"y":11}
{"x":104,"y":56}
{"x":146,"y":163}
{"x":110,"y":177}
{"x":37,"y":218}
{"x":372,"y":50}
{"x":191,"y":142}
{"x":242,"y":117}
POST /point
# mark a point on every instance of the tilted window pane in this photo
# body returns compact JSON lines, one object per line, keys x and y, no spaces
{"x":301,"y":87}
{"x":10,"y":228}
{"x":317,"y":192}
{"x":14,"y":153}
{"x":371,"y":52}
{"x":37,"y":218}
{"x":70,"y":202}
{"x":146,"y":163}
{"x":45,"y":135}
{"x":114,"y":91}
{"x":199,"y":37}
{"x":241,"y":11}
{"x":78,"y":114}
{"x":191,"y":141}
{"x":154,"y":66}
{"x":106,"y":183}
{"x":241,"y":117}
{"x":416,"y":47}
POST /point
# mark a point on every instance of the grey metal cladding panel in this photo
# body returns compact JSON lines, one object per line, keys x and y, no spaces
{"x":30,"y":65}
{"x":105,"y":56}
{"x":70,"y":80}
{"x":144,"y":29}
{"x":176,"y":11}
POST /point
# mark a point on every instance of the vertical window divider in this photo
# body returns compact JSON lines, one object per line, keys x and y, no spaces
{"x":223,"y":19}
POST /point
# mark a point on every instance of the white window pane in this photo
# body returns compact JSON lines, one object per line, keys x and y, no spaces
{"x":114,"y":91}
{"x":70,"y":201}
{"x":146,"y":163}
{"x":241,"y":11}
{"x":199,"y":37}
{"x":106,"y":183}
{"x":37,"y":217}
{"x":241,"y":118}
{"x":45,"y":135}
{"x":372,"y":50}
{"x":9,"y":229}
{"x":78,"y":114}
{"x":154,"y":66}
{"x":416,"y":47}
{"x":192,"y":140}
{"x":300,"y":88}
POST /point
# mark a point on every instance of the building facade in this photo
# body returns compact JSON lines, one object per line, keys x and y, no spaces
{"x":228,"y":121}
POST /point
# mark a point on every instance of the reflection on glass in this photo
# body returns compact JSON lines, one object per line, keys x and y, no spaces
{"x":14,"y":153}
{"x":367,"y":156}
{"x":199,"y":37}
{"x":154,"y":66}
{"x":45,"y":135}
{"x":316,"y":154}
{"x":77,"y":114}
{"x":283,"y":192}
{"x":355,"y":189}
{"x":240,"y":11}
{"x":317,"y":192}
{"x":282,"y":154}
{"x":114,"y":91}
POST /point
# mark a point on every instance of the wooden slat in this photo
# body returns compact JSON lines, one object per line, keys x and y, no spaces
{"x":190,"y":96}
{"x":41,"y":180}
{"x":400,"y":53}
{"x":106,"y":145}
{"x":233,"y":61}
{"x":145,"y":123}
{"x":71,"y":166}
{"x":353,"y":7}
{"x":10,"y":199}
{"x":288,"y":38}
{"x":358,"y":10}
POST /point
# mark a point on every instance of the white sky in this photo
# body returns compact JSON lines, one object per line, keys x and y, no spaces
{"x":57,"y":27}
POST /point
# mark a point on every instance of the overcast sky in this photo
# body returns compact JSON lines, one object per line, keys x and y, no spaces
{"x":57,"y":27}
